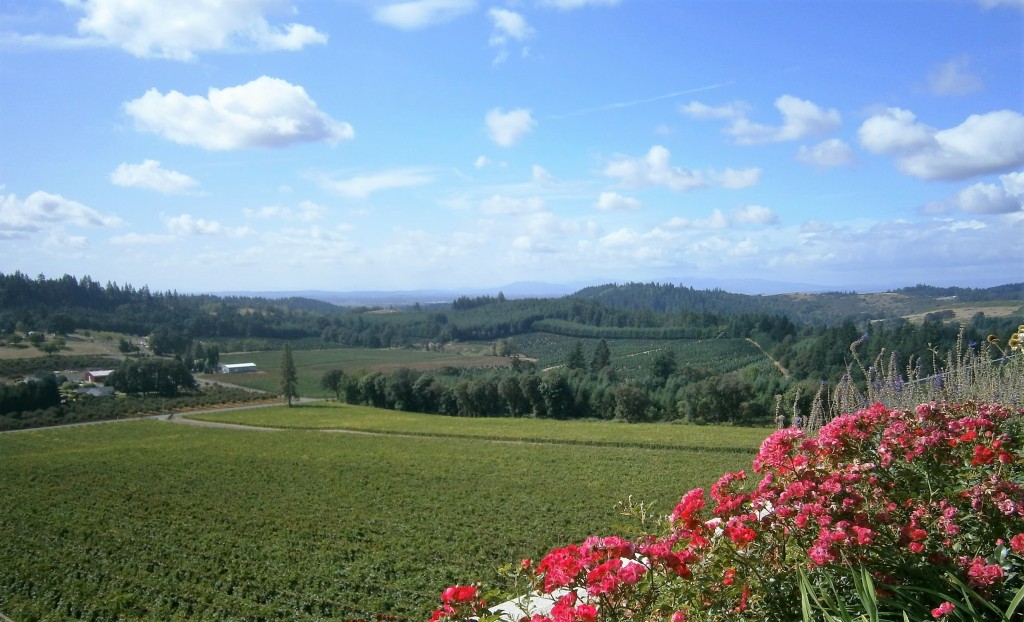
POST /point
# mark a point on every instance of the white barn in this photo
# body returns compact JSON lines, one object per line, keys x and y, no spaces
{"x":237,"y":368}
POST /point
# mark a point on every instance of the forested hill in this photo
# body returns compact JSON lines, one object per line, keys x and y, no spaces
{"x":819,"y":308}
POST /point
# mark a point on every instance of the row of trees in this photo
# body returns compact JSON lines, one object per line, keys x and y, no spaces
{"x":687,"y":395}
{"x":159,"y":376}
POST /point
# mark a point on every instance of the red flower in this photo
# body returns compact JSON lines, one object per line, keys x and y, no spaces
{"x":943,"y":610}
{"x":1017,"y":544}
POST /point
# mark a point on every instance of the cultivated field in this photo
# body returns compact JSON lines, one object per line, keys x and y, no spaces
{"x":162,"y":521}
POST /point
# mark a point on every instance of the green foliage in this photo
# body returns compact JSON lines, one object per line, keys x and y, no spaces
{"x":289,"y":377}
{"x":164,"y":377}
{"x":109,"y":522}
{"x":333,"y":381}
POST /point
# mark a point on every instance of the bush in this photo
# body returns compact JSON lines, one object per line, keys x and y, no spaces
{"x":884,"y":513}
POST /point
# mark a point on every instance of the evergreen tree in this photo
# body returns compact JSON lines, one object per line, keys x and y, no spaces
{"x":289,"y":377}
{"x":575,"y":359}
{"x":602,"y":357}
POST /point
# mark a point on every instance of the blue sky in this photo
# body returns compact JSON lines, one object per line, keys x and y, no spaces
{"x":376,"y":145}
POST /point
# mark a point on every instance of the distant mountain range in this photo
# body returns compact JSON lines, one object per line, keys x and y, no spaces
{"x":519,"y":289}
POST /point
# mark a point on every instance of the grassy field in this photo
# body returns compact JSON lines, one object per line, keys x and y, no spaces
{"x":334,"y":416}
{"x":153,"y":520}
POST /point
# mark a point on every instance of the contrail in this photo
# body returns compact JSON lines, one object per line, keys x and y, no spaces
{"x":637,"y":102}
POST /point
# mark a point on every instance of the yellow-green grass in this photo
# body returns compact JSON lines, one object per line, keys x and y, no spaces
{"x":332,"y":415}
{"x":151,"y":520}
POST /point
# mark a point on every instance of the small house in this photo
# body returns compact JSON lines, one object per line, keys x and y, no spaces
{"x":237,"y":368}
{"x":99,"y":375}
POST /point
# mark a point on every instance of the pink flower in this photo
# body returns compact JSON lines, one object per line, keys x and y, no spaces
{"x":943,"y":610}
{"x":981,"y":574}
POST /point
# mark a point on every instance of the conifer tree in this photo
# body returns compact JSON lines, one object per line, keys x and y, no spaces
{"x":289,"y":377}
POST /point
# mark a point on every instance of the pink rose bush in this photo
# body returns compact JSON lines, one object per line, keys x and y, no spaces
{"x":918,"y":511}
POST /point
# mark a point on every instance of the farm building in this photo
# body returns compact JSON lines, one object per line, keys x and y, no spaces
{"x":237,"y":368}
{"x":99,"y":375}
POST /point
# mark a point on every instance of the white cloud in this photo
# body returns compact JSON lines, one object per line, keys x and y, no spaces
{"x":954,"y":77}
{"x":141,"y":239}
{"x":151,"y":176}
{"x":755,"y":215}
{"x":982,"y":144}
{"x":267,"y":112}
{"x":18,"y":218}
{"x":800,"y":119}
{"x":541,"y":176}
{"x":498,"y":205}
{"x":1007,"y":197}
{"x":830,"y":153}
{"x":508,"y":128}
{"x":614,"y":202}
{"x":306,"y":211}
{"x":481,"y":161}
{"x":698,"y":110}
{"x":987,"y":199}
{"x":362,"y":186}
{"x":508,"y":26}
{"x":178,"y":30}
{"x":568,"y":5}
{"x":717,"y":220}
{"x":654,"y":169}
{"x":419,"y":14}
{"x":735,"y":179}
{"x":186,"y":225}
{"x":59,"y":240}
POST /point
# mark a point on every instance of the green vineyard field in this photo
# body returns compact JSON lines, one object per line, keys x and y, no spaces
{"x":152,"y":520}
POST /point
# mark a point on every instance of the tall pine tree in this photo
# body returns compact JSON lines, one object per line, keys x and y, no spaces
{"x":289,"y":378}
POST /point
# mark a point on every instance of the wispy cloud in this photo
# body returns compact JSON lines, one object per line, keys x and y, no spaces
{"x":638,"y":102}
{"x":362,"y":186}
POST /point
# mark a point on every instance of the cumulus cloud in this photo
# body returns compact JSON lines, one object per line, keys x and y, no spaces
{"x":827,"y":154}
{"x":800,"y":119}
{"x":982,"y":144}
{"x":267,"y":112}
{"x":179,"y":30}
{"x":187,"y":225}
{"x":151,"y":176}
{"x":508,"y":26}
{"x":499,"y":205}
{"x":19,"y":218}
{"x":508,"y":128}
{"x":481,"y":161}
{"x":419,"y":14}
{"x":954,"y":77}
{"x":1006,"y":197}
{"x":654,"y":169}
{"x":362,"y":186}
{"x":614,"y":202}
